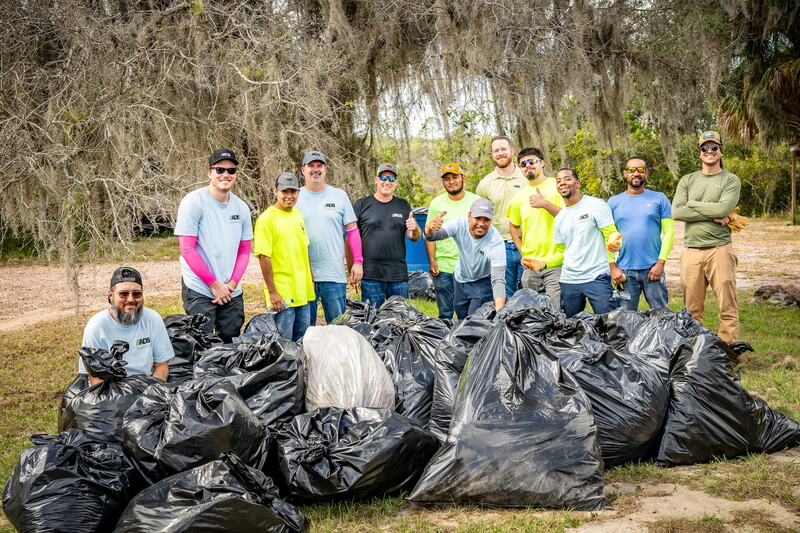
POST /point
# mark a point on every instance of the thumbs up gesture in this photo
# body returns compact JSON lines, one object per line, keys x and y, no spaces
{"x":411,"y":222}
{"x":537,"y":199}
{"x":614,"y":242}
{"x":435,"y":224}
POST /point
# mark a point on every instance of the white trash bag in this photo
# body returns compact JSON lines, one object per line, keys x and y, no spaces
{"x":344,"y":370}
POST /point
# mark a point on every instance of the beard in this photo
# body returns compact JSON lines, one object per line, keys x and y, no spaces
{"x":127,"y":318}
{"x":461,"y":188}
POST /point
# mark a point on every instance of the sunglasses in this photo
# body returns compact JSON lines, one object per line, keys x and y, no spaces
{"x":713,"y":147}
{"x":384,"y":177}
{"x":223,"y":170}
{"x":631,"y":170}
{"x":137,"y":295}
{"x":530,"y":162}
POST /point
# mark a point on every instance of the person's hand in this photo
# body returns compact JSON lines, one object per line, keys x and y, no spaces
{"x":617,"y":275}
{"x":656,"y":271}
{"x":537,"y":200}
{"x":276,"y":302}
{"x":614,"y":242}
{"x":724,"y":221}
{"x":533,"y":263}
{"x":232,"y":286}
{"x":435,"y":224}
{"x":411,"y":222}
{"x":222,"y":293}
{"x":434,"y":268}
{"x":356,"y":272}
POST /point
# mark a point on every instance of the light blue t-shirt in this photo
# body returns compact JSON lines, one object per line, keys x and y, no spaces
{"x":476,"y":257}
{"x":578,"y":228}
{"x":148,"y":341}
{"x":219,"y":228}
{"x":638,"y":219}
{"x":326,"y":213}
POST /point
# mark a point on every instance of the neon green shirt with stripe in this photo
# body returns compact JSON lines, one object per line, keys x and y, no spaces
{"x":446,"y":250}
{"x":281,"y":236}
{"x":536,"y":223}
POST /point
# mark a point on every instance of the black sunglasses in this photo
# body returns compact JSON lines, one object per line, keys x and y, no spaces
{"x":223,"y":170}
{"x":713,"y":147}
{"x":384,"y":177}
{"x":137,"y":295}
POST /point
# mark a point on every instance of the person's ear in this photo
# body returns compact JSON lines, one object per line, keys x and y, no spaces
{"x":109,"y":296}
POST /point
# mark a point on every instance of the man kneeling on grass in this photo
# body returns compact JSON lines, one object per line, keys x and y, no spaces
{"x":281,"y":245}
{"x":126,"y":319}
{"x":481,"y":266}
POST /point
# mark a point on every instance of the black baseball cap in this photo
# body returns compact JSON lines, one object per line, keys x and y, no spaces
{"x":287,"y":180}
{"x":221,"y":154}
{"x":125,"y":274}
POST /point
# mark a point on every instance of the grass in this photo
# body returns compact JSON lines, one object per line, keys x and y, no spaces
{"x":38,"y":362}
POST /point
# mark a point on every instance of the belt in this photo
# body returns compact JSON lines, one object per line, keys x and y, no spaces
{"x":702,"y":247}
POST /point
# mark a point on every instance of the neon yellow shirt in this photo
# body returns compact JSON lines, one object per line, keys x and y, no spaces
{"x":281,"y":236}
{"x":536,"y":223}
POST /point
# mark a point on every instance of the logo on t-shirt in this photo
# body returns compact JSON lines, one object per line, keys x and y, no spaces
{"x":397,"y":215}
{"x":234,"y":218}
{"x":583,"y":216}
{"x":516,"y":186}
{"x":143,"y":341}
{"x":480,"y":252}
{"x":329,"y":205}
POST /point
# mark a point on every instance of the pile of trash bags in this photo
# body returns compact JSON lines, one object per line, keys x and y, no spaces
{"x":517,"y":407}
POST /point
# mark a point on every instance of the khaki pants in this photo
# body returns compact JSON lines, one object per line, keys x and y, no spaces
{"x":547,"y":279}
{"x":715,"y":266}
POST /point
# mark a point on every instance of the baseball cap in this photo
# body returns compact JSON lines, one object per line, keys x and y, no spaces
{"x":482,"y":208}
{"x":125,"y":274}
{"x":451,"y":168}
{"x":387,"y":167}
{"x":287,"y":180}
{"x":709,"y":136}
{"x":313,"y":155}
{"x":221,"y":154}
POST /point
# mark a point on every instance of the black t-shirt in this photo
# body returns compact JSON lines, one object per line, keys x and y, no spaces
{"x":383,"y":233}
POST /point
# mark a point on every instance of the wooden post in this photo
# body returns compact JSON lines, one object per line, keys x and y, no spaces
{"x":794,"y":149}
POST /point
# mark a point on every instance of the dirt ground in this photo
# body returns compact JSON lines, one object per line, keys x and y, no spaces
{"x":769,"y":253}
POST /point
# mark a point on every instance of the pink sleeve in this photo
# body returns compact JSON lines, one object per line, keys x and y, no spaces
{"x":242,"y":257}
{"x":189,"y":253}
{"x":354,"y":239}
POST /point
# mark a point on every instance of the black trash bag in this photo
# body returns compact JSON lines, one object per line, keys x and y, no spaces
{"x":268,"y":374}
{"x":710,"y":415}
{"x":397,"y":307}
{"x":522,"y":433}
{"x":99,"y":409}
{"x":420,"y":285}
{"x":629,"y":399}
{"x":262,"y":323}
{"x":527,"y":299}
{"x":188,"y":340}
{"x":172,"y":430}
{"x":358,"y":316}
{"x":662,"y":337}
{"x":68,"y":482}
{"x":80,"y":382}
{"x":352,"y":453}
{"x":409,"y":358}
{"x":256,"y":337}
{"x":224,"y":495}
{"x":449,"y":360}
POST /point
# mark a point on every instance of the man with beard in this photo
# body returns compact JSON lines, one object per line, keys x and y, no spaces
{"x":480,"y":269}
{"x":126,"y":319}
{"x":384,"y":221}
{"x":328,"y":216}
{"x":584,"y":231}
{"x":442,"y":255}
{"x":704,"y":200}
{"x":531,"y":217}
{"x":640,"y":216}
{"x":500,"y":187}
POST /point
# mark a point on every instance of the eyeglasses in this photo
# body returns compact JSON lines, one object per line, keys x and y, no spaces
{"x":223,"y":170}
{"x":384,"y":177}
{"x":137,"y":295}
{"x":530,"y":162}
{"x":713,"y":147}
{"x":631,"y":170}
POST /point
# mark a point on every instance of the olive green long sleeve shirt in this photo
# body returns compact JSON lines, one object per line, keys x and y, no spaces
{"x":699,"y":199}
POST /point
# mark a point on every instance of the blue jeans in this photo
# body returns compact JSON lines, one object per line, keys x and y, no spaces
{"x":470,"y":296}
{"x":655,"y":292}
{"x":444,"y":285}
{"x":293,"y":321}
{"x":514,"y":269}
{"x":334,"y":298}
{"x":376,"y":292}
{"x":598,"y":291}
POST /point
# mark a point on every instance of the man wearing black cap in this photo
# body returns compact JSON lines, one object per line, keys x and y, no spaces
{"x":328,"y":215}
{"x":385,"y":221}
{"x":214,"y":232}
{"x":281,"y":246}
{"x":126,"y":319}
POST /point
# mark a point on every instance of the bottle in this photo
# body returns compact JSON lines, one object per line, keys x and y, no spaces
{"x":286,"y":305}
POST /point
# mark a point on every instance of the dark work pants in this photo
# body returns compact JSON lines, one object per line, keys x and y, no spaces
{"x":226,"y":320}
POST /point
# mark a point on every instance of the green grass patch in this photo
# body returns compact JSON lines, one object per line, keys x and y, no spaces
{"x":704,"y":524}
{"x":753,"y":476}
{"x":162,"y":247}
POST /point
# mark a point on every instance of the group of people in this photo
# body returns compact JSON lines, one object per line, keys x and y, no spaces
{"x":520,"y":228}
